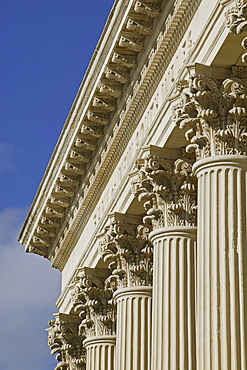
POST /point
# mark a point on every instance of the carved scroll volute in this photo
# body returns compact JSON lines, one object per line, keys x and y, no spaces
{"x":167,"y":190}
{"x":94,"y":305}
{"x":129,"y":255}
{"x":64,"y":341}
{"x":213,"y":112}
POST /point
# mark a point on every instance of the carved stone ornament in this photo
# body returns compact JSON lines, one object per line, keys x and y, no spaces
{"x":94,"y":305}
{"x":63,"y":340}
{"x":129,"y":254}
{"x":236,"y":21}
{"x":214,"y":114}
{"x":148,"y":8}
{"x":167,"y":189}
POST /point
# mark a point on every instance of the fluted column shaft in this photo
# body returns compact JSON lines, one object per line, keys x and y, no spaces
{"x":100,"y":352}
{"x":133,"y":346}
{"x":222,"y":263}
{"x":174,"y":298}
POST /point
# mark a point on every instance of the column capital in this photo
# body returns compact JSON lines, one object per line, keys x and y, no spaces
{"x":126,"y":248}
{"x":236,"y":17}
{"x":65,"y":341}
{"x":167,"y":189}
{"x":213,"y":113}
{"x":93,"y":302}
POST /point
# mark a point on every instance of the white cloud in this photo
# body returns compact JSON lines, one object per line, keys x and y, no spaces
{"x":28,"y":289}
{"x":7,"y":152}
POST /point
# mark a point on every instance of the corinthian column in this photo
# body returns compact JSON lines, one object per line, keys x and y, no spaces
{"x":64,"y":341}
{"x":100,"y":352}
{"x":96,"y":310}
{"x":134,"y":325}
{"x":129,"y":253}
{"x":168,"y":192}
{"x":217,"y":132}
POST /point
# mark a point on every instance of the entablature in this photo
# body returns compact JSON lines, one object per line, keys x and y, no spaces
{"x":104,"y":115}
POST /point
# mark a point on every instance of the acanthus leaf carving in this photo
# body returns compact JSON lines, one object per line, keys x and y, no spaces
{"x":93,"y":302}
{"x":167,"y":190}
{"x":65,"y":341}
{"x":236,"y":17}
{"x":236,"y":21}
{"x":129,"y":254}
{"x":213,"y":112}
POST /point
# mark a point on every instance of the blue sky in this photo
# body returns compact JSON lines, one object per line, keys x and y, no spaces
{"x":46,"y":46}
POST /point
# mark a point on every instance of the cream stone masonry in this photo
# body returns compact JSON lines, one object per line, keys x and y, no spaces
{"x":65,"y":341}
{"x":129,"y":255}
{"x":128,"y":252}
{"x":56,"y":229}
{"x":143,"y":204}
{"x":134,"y":328}
{"x":174,"y":309}
{"x":167,"y":189}
{"x":93,"y":303}
{"x":214,"y":115}
{"x":96,"y":309}
{"x":222,"y":263}
{"x":100,"y":352}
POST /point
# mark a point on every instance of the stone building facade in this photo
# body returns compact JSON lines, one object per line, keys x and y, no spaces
{"x":143,"y":204}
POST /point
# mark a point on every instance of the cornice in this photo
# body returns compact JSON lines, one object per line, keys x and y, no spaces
{"x":83,"y":190}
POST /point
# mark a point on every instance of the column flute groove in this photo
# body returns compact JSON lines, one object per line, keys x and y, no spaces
{"x":173,"y":298}
{"x":222,"y":263}
{"x":133,"y":302}
{"x":127,"y":248}
{"x":167,"y":189}
{"x":92,"y":299}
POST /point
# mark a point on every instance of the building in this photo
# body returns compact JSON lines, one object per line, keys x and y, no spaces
{"x":143,"y":204}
